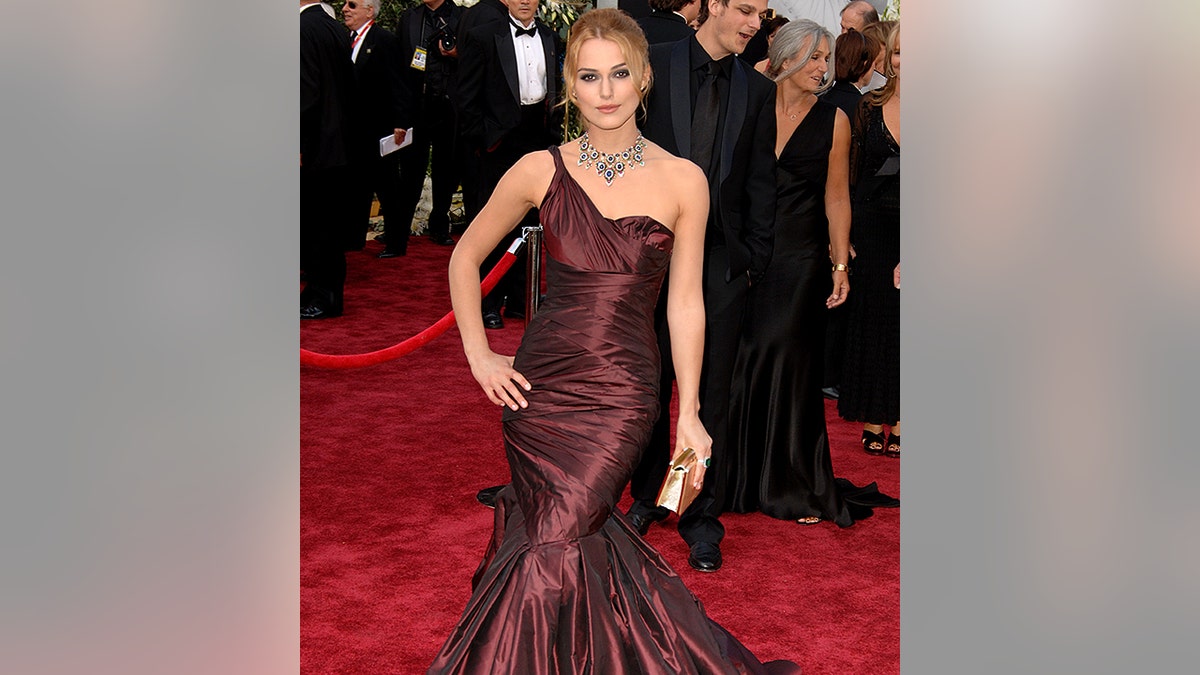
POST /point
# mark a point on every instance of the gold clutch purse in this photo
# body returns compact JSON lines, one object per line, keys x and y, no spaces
{"x":677,"y":491}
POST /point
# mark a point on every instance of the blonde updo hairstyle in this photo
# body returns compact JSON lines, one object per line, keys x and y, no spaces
{"x":616,"y":26}
{"x":797,"y":41}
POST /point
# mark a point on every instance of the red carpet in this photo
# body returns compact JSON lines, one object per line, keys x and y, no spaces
{"x":390,"y":533}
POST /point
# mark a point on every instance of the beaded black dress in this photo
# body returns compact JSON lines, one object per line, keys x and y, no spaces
{"x":870,"y":390}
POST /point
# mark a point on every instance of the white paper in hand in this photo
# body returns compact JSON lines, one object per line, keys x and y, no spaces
{"x":387,"y":144}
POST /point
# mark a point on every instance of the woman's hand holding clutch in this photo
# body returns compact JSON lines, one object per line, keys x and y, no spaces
{"x":690,"y":433}
{"x":685,"y":475}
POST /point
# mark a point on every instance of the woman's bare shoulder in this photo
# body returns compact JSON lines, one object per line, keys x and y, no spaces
{"x":534,"y":172}
{"x":536,"y":163}
{"x":677,"y":171}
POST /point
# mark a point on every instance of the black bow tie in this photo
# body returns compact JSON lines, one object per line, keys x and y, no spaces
{"x":531,"y":32}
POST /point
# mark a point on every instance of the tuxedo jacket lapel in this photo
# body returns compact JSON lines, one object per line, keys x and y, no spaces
{"x":681,"y":96}
{"x":735,"y":115}
{"x":368,"y":46}
{"x":508,"y":61}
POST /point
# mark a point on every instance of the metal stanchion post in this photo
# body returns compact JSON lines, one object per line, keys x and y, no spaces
{"x":533,"y":269}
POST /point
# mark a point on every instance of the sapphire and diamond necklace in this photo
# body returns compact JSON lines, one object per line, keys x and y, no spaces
{"x":610,"y":166}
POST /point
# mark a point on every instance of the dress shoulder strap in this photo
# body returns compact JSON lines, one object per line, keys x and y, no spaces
{"x":556,"y":180}
{"x":557,"y":155}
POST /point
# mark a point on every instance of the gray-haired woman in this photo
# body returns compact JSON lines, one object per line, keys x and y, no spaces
{"x":777,"y":416}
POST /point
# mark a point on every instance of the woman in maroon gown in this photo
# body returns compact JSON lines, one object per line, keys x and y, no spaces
{"x":566,"y":585}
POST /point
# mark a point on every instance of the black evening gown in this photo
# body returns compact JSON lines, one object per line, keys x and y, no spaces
{"x":870,"y":389}
{"x":777,"y":413}
{"x":566,"y":585}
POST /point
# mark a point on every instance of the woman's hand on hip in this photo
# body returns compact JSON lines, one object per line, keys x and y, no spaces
{"x":499,"y":380}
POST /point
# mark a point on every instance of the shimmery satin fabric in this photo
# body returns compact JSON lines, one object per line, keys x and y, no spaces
{"x":781,"y":460}
{"x":566,"y":586}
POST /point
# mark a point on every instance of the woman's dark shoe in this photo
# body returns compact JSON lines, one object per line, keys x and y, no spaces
{"x":893,"y":446}
{"x":872,"y":443}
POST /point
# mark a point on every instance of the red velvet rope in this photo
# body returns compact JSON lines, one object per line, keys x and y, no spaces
{"x":413,"y":343}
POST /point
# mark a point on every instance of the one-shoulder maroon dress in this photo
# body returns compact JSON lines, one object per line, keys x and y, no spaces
{"x":566,"y":585}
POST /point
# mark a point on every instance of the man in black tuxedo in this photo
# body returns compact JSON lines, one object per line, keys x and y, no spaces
{"x":709,"y":106}
{"x":429,"y":35}
{"x":668,"y":20}
{"x":509,"y":81}
{"x":326,"y":97}
{"x":382,"y":108}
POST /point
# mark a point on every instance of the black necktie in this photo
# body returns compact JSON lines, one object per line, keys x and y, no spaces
{"x":531,"y":32}
{"x":353,"y":35}
{"x":704,"y":119}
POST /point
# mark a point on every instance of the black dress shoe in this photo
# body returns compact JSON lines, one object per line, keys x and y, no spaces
{"x":318,"y":312}
{"x":487,"y":496}
{"x":380,"y":238}
{"x":640,"y":523}
{"x":705,"y":557}
{"x":643,"y":512}
{"x":441,"y":239}
{"x":492,"y":320}
{"x":392,"y":254}
{"x":830,"y":393}
{"x":514,"y":313}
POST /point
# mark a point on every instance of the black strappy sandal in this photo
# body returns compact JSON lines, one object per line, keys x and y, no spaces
{"x":872,"y":443}
{"x":893,"y":446}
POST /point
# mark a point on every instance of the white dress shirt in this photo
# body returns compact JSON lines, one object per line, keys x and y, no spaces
{"x":531,"y":64}
{"x":358,"y":41}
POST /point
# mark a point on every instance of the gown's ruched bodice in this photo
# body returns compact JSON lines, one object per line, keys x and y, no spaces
{"x":566,"y":586}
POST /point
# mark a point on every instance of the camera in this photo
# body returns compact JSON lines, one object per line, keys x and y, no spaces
{"x":444,"y":35}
